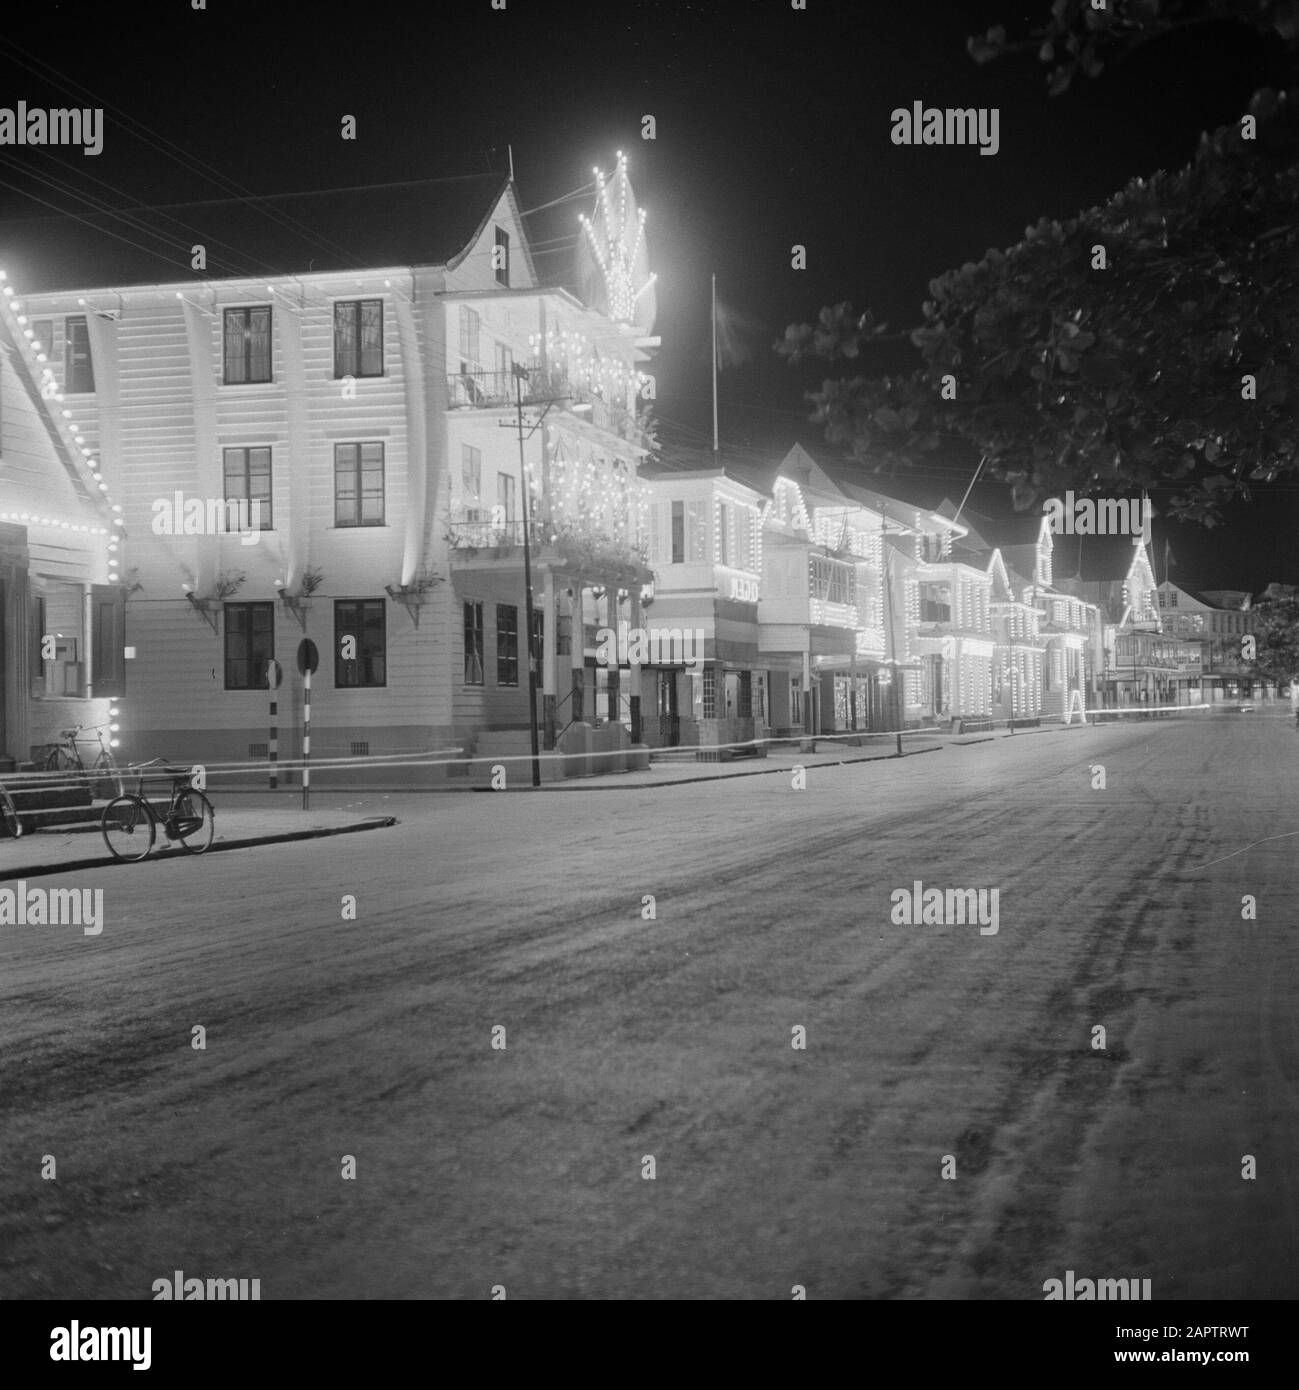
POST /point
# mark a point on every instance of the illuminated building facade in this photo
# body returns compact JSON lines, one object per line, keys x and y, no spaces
{"x":372,"y":416}
{"x":61,"y":542}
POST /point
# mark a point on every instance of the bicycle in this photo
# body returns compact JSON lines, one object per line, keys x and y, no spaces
{"x":10,"y":820}
{"x":130,"y":823}
{"x":65,"y":756}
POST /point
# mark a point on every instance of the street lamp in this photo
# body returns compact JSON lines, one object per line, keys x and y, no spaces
{"x":520,"y":375}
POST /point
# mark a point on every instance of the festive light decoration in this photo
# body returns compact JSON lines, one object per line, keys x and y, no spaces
{"x":588,"y":489}
{"x":31,"y":519}
{"x":615,"y":239}
{"x":71,"y":435}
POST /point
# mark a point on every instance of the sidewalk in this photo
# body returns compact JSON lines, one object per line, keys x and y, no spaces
{"x":74,"y":847}
{"x":778,"y":760}
{"x":830,"y":752}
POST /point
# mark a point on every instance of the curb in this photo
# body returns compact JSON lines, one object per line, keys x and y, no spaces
{"x":249,"y":842}
{"x":576,"y":786}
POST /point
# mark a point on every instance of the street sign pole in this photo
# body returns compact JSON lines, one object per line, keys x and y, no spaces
{"x":274,"y":675}
{"x":306,"y":740}
{"x":308,"y":660}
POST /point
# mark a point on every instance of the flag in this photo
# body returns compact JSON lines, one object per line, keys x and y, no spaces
{"x":739,"y":336}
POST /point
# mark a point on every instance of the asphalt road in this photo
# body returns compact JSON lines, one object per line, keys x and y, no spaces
{"x":671,"y":1038}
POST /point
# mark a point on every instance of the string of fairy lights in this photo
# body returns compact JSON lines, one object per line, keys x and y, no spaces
{"x":71,"y":435}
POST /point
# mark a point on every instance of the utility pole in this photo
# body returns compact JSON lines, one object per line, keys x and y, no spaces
{"x":520,"y":375}
{"x":527,"y":585}
{"x":888,"y":626}
{"x":714,"y":370}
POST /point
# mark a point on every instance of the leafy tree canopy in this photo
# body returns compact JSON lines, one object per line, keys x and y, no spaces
{"x":1276,"y":631}
{"x":1151,"y":340}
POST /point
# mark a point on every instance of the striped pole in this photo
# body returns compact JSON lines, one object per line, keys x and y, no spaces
{"x":306,"y":739}
{"x":273,"y":747}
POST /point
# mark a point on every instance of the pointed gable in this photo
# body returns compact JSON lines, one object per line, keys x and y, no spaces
{"x":43,"y":473}
{"x":1001,"y":590}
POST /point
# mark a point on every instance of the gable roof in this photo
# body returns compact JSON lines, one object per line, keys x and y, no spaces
{"x":1094,"y":558}
{"x":71,"y":481}
{"x":422,"y":222}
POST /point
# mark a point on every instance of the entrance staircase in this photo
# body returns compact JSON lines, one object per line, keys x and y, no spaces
{"x":44,"y":800}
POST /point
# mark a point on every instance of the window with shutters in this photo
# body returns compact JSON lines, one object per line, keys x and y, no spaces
{"x":469,"y":323}
{"x":473,"y":634}
{"x":507,"y":644}
{"x":471,"y":481}
{"x":506,"y":494}
{"x":108,"y":640}
{"x":696,"y":537}
{"x":38,"y":644}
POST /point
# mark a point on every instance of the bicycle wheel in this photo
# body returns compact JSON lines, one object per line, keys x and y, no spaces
{"x":10,"y":821}
{"x":58,"y":759}
{"x":194,"y":822}
{"x":128,"y":828}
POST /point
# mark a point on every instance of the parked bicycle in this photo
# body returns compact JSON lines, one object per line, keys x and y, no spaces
{"x":10,"y":821}
{"x":130,"y":822}
{"x":65,"y":756}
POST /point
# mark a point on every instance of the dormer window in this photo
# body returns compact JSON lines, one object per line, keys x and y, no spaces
{"x":501,"y":258}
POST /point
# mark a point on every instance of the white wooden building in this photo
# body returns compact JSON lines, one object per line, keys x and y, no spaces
{"x":360,"y":412}
{"x":61,"y":639}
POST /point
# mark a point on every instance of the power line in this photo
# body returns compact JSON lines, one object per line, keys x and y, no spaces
{"x":168,"y":148}
{"x":268,"y":197}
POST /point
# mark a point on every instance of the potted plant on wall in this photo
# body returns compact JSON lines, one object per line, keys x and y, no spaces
{"x":414,"y":595}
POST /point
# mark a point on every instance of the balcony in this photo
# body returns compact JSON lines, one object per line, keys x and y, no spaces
{"x":824,"y":612}
{"x":484,"y":390}
{"x":498,"y":391}
{"x":482,"y":535}
{"x":932,"y":612}
{"x":561,"y":546}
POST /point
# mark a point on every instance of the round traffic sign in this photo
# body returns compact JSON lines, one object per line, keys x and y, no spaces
{"x":308,"y":656}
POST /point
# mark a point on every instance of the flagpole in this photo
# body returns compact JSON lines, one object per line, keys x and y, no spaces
{"x":714,"y":367}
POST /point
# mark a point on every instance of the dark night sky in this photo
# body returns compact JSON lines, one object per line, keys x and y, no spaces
{"x":772,"y":128}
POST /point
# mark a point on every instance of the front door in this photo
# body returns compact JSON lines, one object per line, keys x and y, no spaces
{"x":668,"y":709}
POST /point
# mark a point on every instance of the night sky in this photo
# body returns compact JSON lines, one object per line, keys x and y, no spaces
{"x":772,"y":129}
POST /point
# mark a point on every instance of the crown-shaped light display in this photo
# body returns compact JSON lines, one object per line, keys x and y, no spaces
{"x":615,"y":239}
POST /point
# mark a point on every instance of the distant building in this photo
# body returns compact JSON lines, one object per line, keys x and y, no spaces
{"x":1138,"y":665}
{"x":1210,"y":632}
{"x":1048,"y":639}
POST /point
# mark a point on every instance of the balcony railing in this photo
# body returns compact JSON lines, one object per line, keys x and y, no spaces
{"x":483,"y":390}
{"x":482,"y":535}
{"x":494,"y":390}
